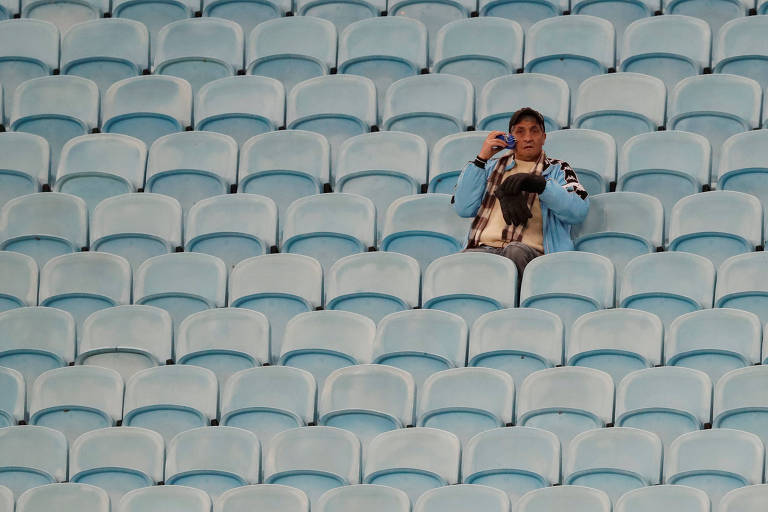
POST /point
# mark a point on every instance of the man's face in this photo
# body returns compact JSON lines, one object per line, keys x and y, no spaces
{"x":530,"y":139}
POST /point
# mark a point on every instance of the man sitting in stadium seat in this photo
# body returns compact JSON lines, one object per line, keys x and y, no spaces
{"x":523,"y":201}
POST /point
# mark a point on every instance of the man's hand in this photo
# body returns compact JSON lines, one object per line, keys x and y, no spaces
{"x":523,"y":182}
{"x":492,"y":145}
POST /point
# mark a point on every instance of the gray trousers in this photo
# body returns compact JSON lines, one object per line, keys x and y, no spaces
{"x":518,"y":252}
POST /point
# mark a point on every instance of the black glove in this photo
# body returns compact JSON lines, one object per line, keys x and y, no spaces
{"x":514,"y":207}
{"x":523,"y":182}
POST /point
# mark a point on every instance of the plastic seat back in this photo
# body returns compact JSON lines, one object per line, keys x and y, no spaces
{"x":165,"y":498}
{"x":741,"y":284}
{"x":434,"y":14}
{"x":678,"y":497}
{"x":458,"y":497}
{"x":748,"y":499}
{"x":741,"y":48}
{"x":739,"y":402}
{"x":716,"y":15}
{"x":341,"y":14}
{"x":25,"y":163}
{"x":32,"y":456}
{"x":591,"y":154}
{"x":64,"y":14}
{"x":18,"y":280}
{"x":13,"y":401}
{"x":374,"y":498}
{"x":265,"y":496}
{"x":449,"y":156}
{"x":619,"y":12}
{"x":66,"y":497}
{"x":574,"y":497}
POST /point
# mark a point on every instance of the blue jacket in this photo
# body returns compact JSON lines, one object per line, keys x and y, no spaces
{"x":564,"y":201}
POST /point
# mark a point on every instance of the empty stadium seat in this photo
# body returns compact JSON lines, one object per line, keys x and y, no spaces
{"x":314,"y":459}
{"x":668,"y":401}
{"x":25,"y":164}
{"x":240,"y":106}
{"x":573,"y":497}
{"x":668,"y":284}
{"x":449,"y":156}
{"x":181,"y":283}
{"x":117,"y":459}
{"x":373,"y":284}
{"x":165,"y":498}
{"x":36,"y":339}
{"x":265,"y":497}
{"x":716,"y":13}
{"x":136,"y":226}
{"x":285,"y":399}
{"x":619,"y":12}
{"x":373,"y":498}
{"x":147,"y":107}
{"x":413,"y":460}
{"x":655,"y":497}
{"x":739,"y":401}
{"x":170,"y":399}
{"x":329,"y":226}
{"x":615,"y":460}
{"x":566,"y":401}
{"x":715,"y":461}
{"x":271,"y":166}
{"x":340,"y":13}
{"x":423,"y":226}
{"x":431,"y":106}
{"x":714,"y":341}
{"x":232,"y":227}
{"x":155,"y":14}
{"x":292,"y":49}
{"x":323,"y":341}
{"x":32,"y":456}
{"x":745,"y":499}
{"x":224,"y":340}
{"x":367,"y":400}
{"x":741,"y":284}
{"x":526,"y":13}
{"x":64,"y":13}
{"x":568,"y":284}
{"x":13,"y":397}
{"x":591,"y":154}
{"x":18,"y":280}
{"x":621,"y":104}
{"x":421,"y":342}
{"x":65,"y":497}
{"x":105,"y":50}
{"x":83,"y":283}
{"x":470,"y":284}
{"x":433,"y":13}
{"x":458,"y":497}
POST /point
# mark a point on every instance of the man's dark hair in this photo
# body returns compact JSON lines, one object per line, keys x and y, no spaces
{"x":527,"y":113}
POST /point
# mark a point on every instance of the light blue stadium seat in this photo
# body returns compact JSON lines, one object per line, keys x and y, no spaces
{"x":621,"y":104}
{"x":232,"y":227}
{"x":384,"y":49}
{"x":32,"y":456}
{"x":716,"y":106}
{"x":214,"y":459}
{"x":270,"y":166}
{"x":373,"y":498}
{"x":181,"y":283}
{"x":44,"y":226}
{"x":165,"y":498}
{"x":95,"y":167}
{"x":36,"y":339}
{"x":58,"y":108}
{"x":224,"y":340}
{"x":740,"y":402}
{"x":424,"y":226}
{"x":77,"y":399}
{"x":28,"y":49}
{"x":715,"y":13}
{"x":25,"y":164}
{"x":566,"y":401}
{"x":64,"y":13}
{"x":292,"y":49}
{"x":280,"y":286}
{"x":267,"y":497}
{"x":591,"y":154}
{"x":617,"y":341}
{"x":248,"y":13}
{"x":614,"y":460}
{"x":573,"y":48}
{"x":745,"y":499}
{"x":329,"y":226}
{"x":341,"y":13}
{"x":714,"y":341}
{"x":667,"y":165}
{"x":619,"y":12}
{"x":470,"y":284}
{"x":536,"y":464}
{"x":574,"y":498}
{"x":449,"y":156}
{"x":105,"y":51}
{"x":313,"y":459}
{"x":716,"y":225}
{"x":373,"y":284}
{"x":118,"y":460}
{"x":367,"y":400}
{"x":715,"y":461}
{"x":18,"y":280}
{"x":670,"y":47}
{"x":455,"y":498}
{"x":382,"y":166}
{"x":525,"y":12}
{"x":421,"y":342}
{"x":741,"y":284}
{"x":668,"y":401}
{"x":171,"y":399}
{"x":136,"y":226}
{"x":155,"y":14}
{"x":431,"y":106}
{"x":6,"y":499}
{"x":413,"y":460}
{"x":433,"y":13}
{"x":147,"y":107}
{"x":65,"y":497}
{"x":466,"y":401}
{"x":240,"y":106}
{"x":12,"y":398}
{"x":268,"y":400}
{"x":656,"y":497}
{"x":668,"y":284}
{"x":323,"y":341}
{"x":568,"y":284}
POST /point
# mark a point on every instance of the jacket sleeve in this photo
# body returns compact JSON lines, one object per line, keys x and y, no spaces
{"x":565,"y":196}
{"x":470,"y":189}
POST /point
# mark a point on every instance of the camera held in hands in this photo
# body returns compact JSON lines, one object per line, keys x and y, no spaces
{"x":509,"y":140}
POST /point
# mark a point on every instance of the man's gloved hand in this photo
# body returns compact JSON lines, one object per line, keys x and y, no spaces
{"x":523,"y":182}
{"x":514,"y":208}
